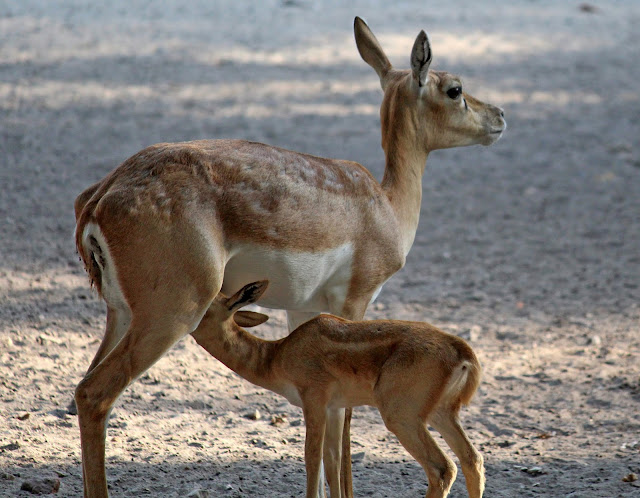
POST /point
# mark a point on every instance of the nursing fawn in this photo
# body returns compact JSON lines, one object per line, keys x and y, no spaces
{"x":411,"y":371}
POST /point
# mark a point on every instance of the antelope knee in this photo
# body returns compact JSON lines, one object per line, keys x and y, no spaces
{"x":442,"y":476}
{"x":88,"y":402}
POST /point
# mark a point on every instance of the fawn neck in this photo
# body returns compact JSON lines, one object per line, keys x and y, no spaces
{"x":247,"y":355}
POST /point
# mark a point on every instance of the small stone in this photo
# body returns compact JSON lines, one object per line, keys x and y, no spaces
{"x":24,"y":416}
{"x":630,"y":478}
{"x":474,"y":333}
{"x":588,"y":8}
{"x":358,"y":457}
{"x":546,"y":435}
{"x":594,"y":340}
{"x":72,"y":409}
{"x":41,"y":486}
{"x":630,"y":446}
{"x":278,"y":420}
{"x":254,"y":415}
{"x":534,"y":471}
{"x":61,"y":414}
{"x":150,"y":379}
{"x":7,"y":477}
{"x":45,"y":339}
{"x":10,"y":447}
{"x":198,"y":493}
{"x":621,"y":148}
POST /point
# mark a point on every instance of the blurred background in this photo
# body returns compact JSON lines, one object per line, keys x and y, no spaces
{"x":530,"y":249}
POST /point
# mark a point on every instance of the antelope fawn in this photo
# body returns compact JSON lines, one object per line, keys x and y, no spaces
{"x":411,"y":371}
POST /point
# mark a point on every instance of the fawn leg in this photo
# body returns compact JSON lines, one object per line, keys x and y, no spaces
{"x":448,"y":425}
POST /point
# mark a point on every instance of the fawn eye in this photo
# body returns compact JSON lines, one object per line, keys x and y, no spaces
{"x":454,"y":92}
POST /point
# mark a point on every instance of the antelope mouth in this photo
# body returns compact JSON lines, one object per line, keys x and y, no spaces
{"x":494,"y":134}
{"x":498,"y":130}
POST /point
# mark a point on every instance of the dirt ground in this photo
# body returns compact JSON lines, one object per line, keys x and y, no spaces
{"x":530,"y":249}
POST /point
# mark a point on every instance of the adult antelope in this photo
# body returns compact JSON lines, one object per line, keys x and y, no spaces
{"x":411,"y":371}
{"x":177,"y":223}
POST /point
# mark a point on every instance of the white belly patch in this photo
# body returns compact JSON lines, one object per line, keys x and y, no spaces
{"x":302,"y":281}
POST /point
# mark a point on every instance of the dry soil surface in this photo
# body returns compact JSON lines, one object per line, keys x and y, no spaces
{"x":530,"y":249}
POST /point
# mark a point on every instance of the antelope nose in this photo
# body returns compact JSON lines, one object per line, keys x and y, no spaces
{"x":500,"y":111}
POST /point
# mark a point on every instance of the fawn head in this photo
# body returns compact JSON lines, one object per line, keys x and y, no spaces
{"x":429,"y":108}
{"x":224,"y":310}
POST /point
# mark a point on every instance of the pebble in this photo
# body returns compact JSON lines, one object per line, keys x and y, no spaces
{"x":534,"y":471}
{"x":253,"y":415}
{"x":474,"y":333}
{"x":72,"y":409}
{"x":10,"y":447}
{"x":594,"y":340}
{"x":278,"y":420}
{"x":44,"y":339}
{"x":41,"y":486}
{"x":630,"y":478}
{"x":198,"y":493}
{"x":588,"y":8}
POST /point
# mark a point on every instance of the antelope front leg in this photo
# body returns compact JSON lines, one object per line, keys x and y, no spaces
{"x":352,"y":309}
{"x":332,"y":453}
{"x":315,"y":420}
{"x":294,"y":320}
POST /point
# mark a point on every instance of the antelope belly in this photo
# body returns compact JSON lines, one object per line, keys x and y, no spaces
{"x":302,"y":281}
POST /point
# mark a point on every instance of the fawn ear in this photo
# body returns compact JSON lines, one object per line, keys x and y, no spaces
{"x":250,"y":293}
{"x":249,"y":318}
{"x":370,"y":49}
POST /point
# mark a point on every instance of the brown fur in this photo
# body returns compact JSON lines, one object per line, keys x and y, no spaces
{"x":173,"y":214}
{"x":412,"y":371}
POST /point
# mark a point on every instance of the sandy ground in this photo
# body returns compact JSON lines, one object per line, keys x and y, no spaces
{"x":529,"y":249}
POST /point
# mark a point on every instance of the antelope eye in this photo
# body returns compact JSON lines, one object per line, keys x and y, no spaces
{"x":454,"y":92}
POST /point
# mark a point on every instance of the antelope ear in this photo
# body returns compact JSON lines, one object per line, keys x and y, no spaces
{"x":249,"y":318}
{"x":250,"y":293}
{"x":370,"y":49}
{"x":421,"y":59}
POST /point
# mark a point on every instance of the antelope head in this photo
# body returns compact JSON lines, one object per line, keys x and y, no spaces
{"x":428,"y":108}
